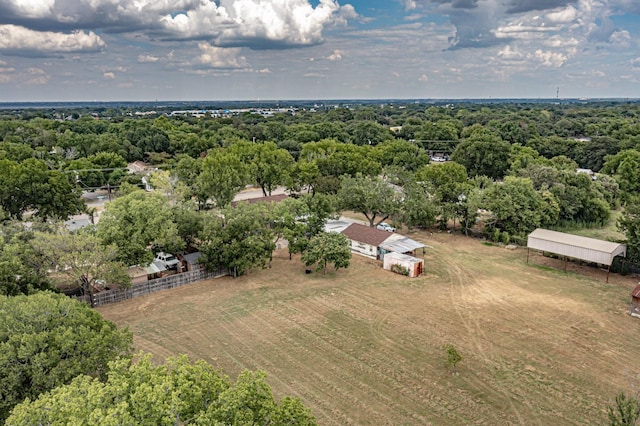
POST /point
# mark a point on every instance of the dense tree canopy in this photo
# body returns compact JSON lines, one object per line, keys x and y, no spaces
{"x":46,"y":340}
{"x":136,"y":221}
{"x":177,"y":392}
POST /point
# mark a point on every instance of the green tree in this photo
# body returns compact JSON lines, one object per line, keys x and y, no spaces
{"x":419,"y":209}
{"x":137,"y":221}
{"x":625,"y":410}
{"x":177,"y":392}
{"x":222,"y":176}
{"x":238,"y":239}
{"x":625,"y":166}
{"x":79,"y":260}
{"x":48,"y":339}
{"x":20,"y":271}
{"x":371,"y":196}
{"x":328,"y":248}
{"x":31,"y":185}
{"x":515,"y":206}
{"x":453,"y":357}
{"x":483,"y":154}
{"x":629,"y":224}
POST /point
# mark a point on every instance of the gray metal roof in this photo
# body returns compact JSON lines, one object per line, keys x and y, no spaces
{"x":404,"y":245}
{"x":578,"y":247}
{"x":155,"y":267}
{"x":192,"y":258}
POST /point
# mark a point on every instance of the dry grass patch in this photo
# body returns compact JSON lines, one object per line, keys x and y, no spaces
{"x":364,"y":346}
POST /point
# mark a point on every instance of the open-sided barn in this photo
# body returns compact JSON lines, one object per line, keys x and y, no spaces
{"x":575,"y":246}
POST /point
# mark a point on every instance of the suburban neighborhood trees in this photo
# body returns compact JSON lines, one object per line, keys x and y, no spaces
{"x":136,"y":221}
{"x":46,"y":340}
{"x":176,"y":392}
{"x":31,"y":185}
{"x":222,"y":176}
{"x":483,"y":154}
{"x":79,"y":260}
{"x":327,"y":248}
{"x":371,"y":196}
{"x":237,"y":239}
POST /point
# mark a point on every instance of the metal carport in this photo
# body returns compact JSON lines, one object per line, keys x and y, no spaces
{"x":575,"y":246}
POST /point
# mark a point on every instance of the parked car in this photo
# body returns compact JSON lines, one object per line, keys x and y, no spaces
{"x":168,"y":260}
{"x":383,"y":226}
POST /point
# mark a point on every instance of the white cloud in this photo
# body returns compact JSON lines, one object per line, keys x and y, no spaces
{"x":109,"y":75}
{"x":14,"y":37}
{"x":423,"y":77}
{"x":264,"y":71}
{"x":635,"y":63}
{"x":147,"y":58}
{"x":563,"y":16}
{"x":220,"y":57}
{"x":335,"y":56}
{"x":550,"y":59}
{"x":33,"y":8}
{"x":257,"y":23}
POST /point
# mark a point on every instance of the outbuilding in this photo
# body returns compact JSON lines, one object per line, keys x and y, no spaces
{"x":576,"y":247}
{"x":403,"y":264}
{"x":634,"y":309}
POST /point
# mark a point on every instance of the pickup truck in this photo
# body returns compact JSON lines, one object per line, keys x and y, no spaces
{"x":386,"y":227}
{"x":168,"y":260}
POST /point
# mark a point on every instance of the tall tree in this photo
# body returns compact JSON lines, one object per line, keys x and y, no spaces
{"x":483,"y":154}
{"x":328,"y":248}
{"x":48,"y":339}
{"x":136,"y":222}
{"x":222,"y":176}
{"x":238,"y":239}
{"x":79,"y":260}
{"x":371,"y":196}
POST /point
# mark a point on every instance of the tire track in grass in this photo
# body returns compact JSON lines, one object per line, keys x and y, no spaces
{"x":459,"y":281}
{"x":249,"y":353}
{"x":328,"y":346}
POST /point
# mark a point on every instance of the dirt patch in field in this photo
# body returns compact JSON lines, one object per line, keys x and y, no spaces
{"x":364,"y":346}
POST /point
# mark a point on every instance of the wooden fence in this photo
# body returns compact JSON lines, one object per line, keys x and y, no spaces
{"x":151,"y":286}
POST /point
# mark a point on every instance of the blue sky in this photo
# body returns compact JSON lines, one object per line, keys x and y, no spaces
{"x":320,"y":49}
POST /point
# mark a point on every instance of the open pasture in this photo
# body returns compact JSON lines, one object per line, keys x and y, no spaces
{"x":364,"y":346}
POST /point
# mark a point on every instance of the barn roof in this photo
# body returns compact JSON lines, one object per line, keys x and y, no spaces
{"x":366,"y":234}
{"x":636,"y":291}
{"x":578,"y":247}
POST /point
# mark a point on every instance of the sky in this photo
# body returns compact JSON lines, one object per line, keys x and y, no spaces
{"x":146,"y":50}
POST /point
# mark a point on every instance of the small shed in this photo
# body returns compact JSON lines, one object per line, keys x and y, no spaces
{"x":403,"y":264}
{"x":634,"y":309}
{"x":190,"y":261}
{"x":138,"y":274}
{"x":575,"y":246}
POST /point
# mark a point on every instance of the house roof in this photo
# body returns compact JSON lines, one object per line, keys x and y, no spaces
{"x":578,"y":247}
{"x":137,"y":166}
{"x":366,"y":234}
{"x":336,"y":226}
{"x":636,"y":291}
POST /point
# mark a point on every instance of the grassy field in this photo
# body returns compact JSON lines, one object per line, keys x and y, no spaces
{"x":364,"y":346}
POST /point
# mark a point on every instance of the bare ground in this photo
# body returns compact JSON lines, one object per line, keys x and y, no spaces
{"x":364,"y":346}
